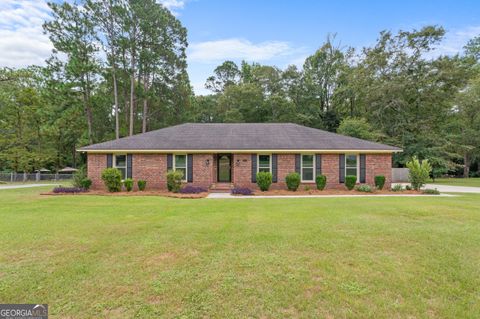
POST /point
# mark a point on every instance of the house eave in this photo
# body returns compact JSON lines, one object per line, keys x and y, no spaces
{"x":248,"y":151}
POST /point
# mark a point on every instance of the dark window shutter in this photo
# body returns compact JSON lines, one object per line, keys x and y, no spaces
{"x":254,"y":168}
{"x":274,"y":168}
{"x":318,"y":165}
{"x":190,"y":168}
{"x":298,"y":158}
{"x":129,"y":165}
{"x":169,"y":162}
{"x":109,"y":160}
{"x":341,"y":168}
{"x":363,"y":165}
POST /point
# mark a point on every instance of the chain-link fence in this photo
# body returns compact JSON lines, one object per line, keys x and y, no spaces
{"x":33,"y":177}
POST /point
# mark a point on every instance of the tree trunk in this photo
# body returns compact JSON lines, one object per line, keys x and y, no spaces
{"x":145,"y":105}
{"x":115,"y":94}
{"x":88,"y":110}
{"x":466,"y":165}
{"x":132,"y":86}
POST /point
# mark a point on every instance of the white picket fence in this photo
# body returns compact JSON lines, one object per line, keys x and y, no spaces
{"x":33,"y":177}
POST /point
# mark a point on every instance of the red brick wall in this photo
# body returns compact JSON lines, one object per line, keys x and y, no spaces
{"x":330,"y":168}
{"x":242,"y":170}
{"x":203,"y":174}
{"x":151,"y":168}
{"x":96,"y":163}
{"x":379,"y":164}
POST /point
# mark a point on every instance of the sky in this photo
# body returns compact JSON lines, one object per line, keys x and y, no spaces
{"x":273,"y":32}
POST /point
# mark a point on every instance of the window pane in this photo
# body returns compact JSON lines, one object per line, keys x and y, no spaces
{"x":184,"y":171}
{"x":307,"y":160}
{"x":121,"y":160}
{"x":264,"y":160}
{"x":264,"y":169}
{"x":351,"y":171}
{"x":307,"y":174}
{"x":123,"y":171}
{"x":180,"y":161}
{"x":351,"y":160}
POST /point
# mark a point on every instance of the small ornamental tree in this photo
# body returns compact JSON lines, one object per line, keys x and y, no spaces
{"x":79,"y":176}
{"x":321,"y":181}
{"x":419,"y":172}
{"x":379,"y":181}
{"x":174,"y":181}
{"x":264,"y":180}
{"x":293,"y":181}
{"x":112,"y":178}
{"x":141,"y":185}
{"x":350,"y":181}
{"x":86,"y":183}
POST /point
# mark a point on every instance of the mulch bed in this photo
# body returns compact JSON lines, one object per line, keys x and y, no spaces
{"x":133,"y":193}
{"x":277,"y":192}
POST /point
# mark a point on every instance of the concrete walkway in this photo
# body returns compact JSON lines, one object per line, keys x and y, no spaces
{"x":451,"y":188}
{"x":229,"y":196}
{"x":24,"y":186}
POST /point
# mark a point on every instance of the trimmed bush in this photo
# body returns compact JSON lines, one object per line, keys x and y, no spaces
{"x":430,"y":191}
{"x":321,"y":181}
{"x":86,"y":183}
{"x":264,"y":180}
{"x":68,"y":190}
{"x":419,"y":172}
{"x":141,"y":185}
{"x":128,"y":183}
{"x":174,"y":181}
{"x":397,"y":188}
{"x":379,"y":181}
{"x":241,"y":191}
{"x":112,"y":178}
{"x":189,"y":189}
{"x":408,"y":187}
{"x":364,"y":189}
{"x":293,"y":181}
{"x":350,"y":181}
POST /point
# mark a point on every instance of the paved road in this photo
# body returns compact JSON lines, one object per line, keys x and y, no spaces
{"x":452,"y":189}
{"x":24,"y":186}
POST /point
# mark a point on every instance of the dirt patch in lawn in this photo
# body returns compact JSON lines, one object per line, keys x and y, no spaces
{"x":133,"y":193}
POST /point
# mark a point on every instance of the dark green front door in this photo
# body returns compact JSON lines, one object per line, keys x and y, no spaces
{"x":224,"y":168}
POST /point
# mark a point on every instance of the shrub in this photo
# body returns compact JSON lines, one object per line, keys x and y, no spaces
{"x":321,"y":181}
{"x":112,"y":178}
{"x":293,"y":181}
{"x":397,"y":188}
{"x":379,"y":181}
{"x":174,"y":181}
{"x":431,"y":191}
{"x":350,"y":181}
{"x":128,"y":183}
{"x":86,"y":183}
{"x":68,"y":190}
{"x":364,"y":189}
{"x":419,"y":172}
{"x":408,"y":187}
{"x":189,"y":189}
{"x":141,"y":185}
{"x":241,"y":191}
{"x":264,"y":180}
{"x":79,"y":176}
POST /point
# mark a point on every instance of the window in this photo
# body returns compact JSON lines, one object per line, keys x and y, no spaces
{"x":120,"y":163}
{"x":180,"y":164}
{"x":264,"y":163}
{"x":351,"y":165}
{"x":308,"y":172}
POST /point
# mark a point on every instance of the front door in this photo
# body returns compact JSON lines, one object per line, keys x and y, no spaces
{"x":224,"y":168}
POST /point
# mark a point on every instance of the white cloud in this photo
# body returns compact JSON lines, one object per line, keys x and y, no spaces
{"x":237,"y":49}
{"x":455,"y":40}
{"x":173,"y":4}
{"x":22,"y":41}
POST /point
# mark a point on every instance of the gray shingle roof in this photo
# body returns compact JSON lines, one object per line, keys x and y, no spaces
{"x":238,"y":136}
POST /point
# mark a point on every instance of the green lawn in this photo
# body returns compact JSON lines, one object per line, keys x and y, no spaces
{"x":475,"y":182}
{"x":149,"y":257}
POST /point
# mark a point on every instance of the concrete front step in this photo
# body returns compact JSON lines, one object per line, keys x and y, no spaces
{"x":221,"y":188}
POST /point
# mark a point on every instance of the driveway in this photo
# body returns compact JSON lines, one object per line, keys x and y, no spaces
{"x":24,"y":186}
{"x":452,"y":189}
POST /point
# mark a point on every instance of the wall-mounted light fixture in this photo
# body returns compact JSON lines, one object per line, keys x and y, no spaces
{"x":207,"y":162}
{"x":237,"y":163}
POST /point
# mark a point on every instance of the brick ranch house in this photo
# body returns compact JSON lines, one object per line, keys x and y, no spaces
{"x":220,"y":156}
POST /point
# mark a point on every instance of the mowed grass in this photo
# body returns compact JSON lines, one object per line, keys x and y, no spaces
{"x":147,"y":257}
{"x":472,"y":181}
